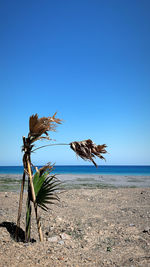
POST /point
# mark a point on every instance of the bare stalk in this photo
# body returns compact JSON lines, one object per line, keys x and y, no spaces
{"x":20,"y":206}
{"x":28,"y":216}
{"x":61,"y":144}
{"x":34,"y":201}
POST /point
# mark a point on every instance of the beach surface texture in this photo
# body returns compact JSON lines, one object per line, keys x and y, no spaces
{"x":89,"y":227}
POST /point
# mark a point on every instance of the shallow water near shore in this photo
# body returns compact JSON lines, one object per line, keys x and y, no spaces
{"x":12,"y":182}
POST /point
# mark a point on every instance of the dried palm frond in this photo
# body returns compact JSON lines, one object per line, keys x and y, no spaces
{"x":39,"y":126}
{"x":45,"y":168}
{"x":87,"y":150}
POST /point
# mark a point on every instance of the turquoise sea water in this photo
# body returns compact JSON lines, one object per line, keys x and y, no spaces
{"x":83,"y":176}
{"x":112,"y":170}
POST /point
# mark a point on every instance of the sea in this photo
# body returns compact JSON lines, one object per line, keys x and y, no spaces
{"x":87,"y":169}
{"x":81,"y":176}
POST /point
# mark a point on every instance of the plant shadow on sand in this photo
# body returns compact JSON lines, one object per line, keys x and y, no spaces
{"x":11,"y":228}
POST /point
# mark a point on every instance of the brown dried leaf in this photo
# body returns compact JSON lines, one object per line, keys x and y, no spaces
{"x":39,"y":126}
{"x":87,"y":150}
{"x":45,"y":168}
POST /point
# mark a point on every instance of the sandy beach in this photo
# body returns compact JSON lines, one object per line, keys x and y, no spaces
{"x":89,"y":227}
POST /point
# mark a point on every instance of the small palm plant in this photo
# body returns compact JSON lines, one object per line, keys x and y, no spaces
{"x":42,"y":185}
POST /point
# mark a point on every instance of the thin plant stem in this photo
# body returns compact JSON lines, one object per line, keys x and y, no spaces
{"x":20,"y":206}
{"x":34,"y":201}
{"x":28,"y":216}
{"x":61,"y":144}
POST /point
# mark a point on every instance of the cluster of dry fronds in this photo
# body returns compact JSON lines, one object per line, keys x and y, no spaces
{"x":41,"y":126}
{"x":87,"y":150}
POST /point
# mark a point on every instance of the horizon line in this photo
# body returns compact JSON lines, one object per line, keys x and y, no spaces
{"x":82,"y":165}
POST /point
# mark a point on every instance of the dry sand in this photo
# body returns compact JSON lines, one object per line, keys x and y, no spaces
{"x":90,"y":227}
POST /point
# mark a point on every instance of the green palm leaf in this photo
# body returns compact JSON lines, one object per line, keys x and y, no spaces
{"x":45,"y":187}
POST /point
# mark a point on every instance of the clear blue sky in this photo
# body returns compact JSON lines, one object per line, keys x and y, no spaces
{"x":88,"y":60}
